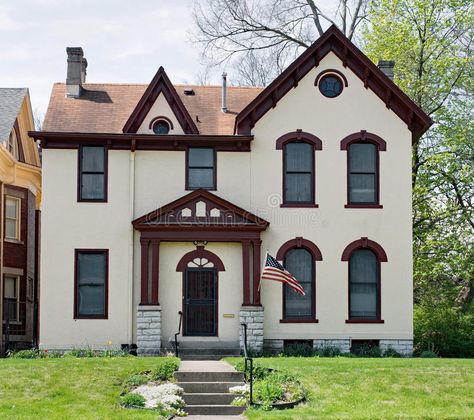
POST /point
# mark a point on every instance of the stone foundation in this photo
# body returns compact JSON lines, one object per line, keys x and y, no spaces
{"x":253,"y":317}
{"x":404,"y":347}
{"x":273,"y":346}
{"x":148,"y":330}
{"x":344,"y":344}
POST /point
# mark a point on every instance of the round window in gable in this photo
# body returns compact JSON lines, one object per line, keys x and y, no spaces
{"x":161,"y":127}
{"x":330,"y":86}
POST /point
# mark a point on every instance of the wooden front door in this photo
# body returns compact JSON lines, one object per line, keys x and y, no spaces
{"x":200,"y":302}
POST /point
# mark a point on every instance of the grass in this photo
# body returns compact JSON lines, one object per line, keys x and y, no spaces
{"x":70,"y":388}
{"x":363,"y":388}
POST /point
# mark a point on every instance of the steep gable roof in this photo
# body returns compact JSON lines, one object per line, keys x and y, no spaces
{"x":160,"y":84}
{"x":10,"y":104}
{"x":184,"y":213}
{"x":333,"y":40}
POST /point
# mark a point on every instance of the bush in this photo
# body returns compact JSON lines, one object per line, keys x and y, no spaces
{"x":136,"y":379}
{"x":428,"y":354}
{"x":391,"y":353}
{"x":165,"y":369}
{"x":328,"y":351}
{"x":27,"y":354}
{"x":298,"y":350}
{"x":259,"y":372}
{"x":369,"y":351}
{"x":132,"y":401}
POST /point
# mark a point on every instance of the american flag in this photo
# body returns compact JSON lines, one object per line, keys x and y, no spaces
{"x":273,"y":270}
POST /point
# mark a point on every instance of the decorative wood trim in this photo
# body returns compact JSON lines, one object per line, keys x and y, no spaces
{"x":246,"y":271}
{"x":106,"y":286}
{"x":299,"y":242}
{"x":364,"y":243}
{"x":155,"y":271}
{"x":144,"y":272}
{"x":163,"y":118}
{"x":299,"y":321}
{"x":160,"y":84}
{"x":333,"y":40}
{"x":299,"y":135}
{"x":19,"y":141}
{"x":173,"y":142}
{"x":331,"y":71}
{"x":365,"y":321}
{"x":364,"y":137}
{"x":256,"y":271}
{"x":200,"y":252}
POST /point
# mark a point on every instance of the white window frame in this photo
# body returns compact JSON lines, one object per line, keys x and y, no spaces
{"x":17,"y":218}
{"x":17,"y":292}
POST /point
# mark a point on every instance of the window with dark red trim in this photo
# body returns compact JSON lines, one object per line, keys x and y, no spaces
{"x":91,"y":283}
{"x":364,"y":285}
{"x":300,"y":263}
{"x":92,"y":182}
{"x":298,"y":173}
{"x":363,"y":173}
{"x":201,"y":168}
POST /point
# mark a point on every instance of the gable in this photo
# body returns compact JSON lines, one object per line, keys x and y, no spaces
{"x":351,"y":57}
{"x":160,"y":110}
{"x":160,"y":86}
{"x":201,"y":209}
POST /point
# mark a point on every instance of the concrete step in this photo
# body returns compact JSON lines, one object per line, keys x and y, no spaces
{"x":208,"y":387}
{"x":214,"y":410}
{"x":208,"y":398}
{"x":209,"y":351}
{"x":209,"y":376}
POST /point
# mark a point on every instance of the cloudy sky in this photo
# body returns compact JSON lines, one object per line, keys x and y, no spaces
{"x":123,"y":41}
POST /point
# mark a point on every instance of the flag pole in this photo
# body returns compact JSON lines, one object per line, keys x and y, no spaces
{"x":261,"y":271}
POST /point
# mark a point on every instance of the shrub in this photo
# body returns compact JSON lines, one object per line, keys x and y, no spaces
{"x":369,"y":351}
{"x":259,"y":372}
{"x":268,"y":391}
{"x":390,"y":352}
{"x":27,"y":354}
{"x":328,"y":351}
{"x":165,"y":369}
{"x":132,"y":400}
{"x":136,"y":379}
{"x":428,"y":354}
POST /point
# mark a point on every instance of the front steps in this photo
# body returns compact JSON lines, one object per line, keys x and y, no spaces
{"x":207,"y":354}
{"x":206,"y":388}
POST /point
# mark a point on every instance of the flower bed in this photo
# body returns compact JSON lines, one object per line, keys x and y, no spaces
{"x":271,"y":389}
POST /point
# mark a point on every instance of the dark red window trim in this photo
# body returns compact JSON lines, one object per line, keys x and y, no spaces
{"x":299,"y":136}
{"x":200,"y":252}
{"x":163,"y":118}
{"x":106,"y":307}
{"x":328,"y":72}
{"x":79,"y":174}
{"x":364,"y":137}
{"x":365,"y":243}
{"x":214,"y":172}
{"x":300,"y":243}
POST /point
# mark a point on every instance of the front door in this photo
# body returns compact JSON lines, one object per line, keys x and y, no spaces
{"x":200,"y":302}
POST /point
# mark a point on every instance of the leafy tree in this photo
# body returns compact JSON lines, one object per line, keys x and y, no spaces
{"x":431,"y":42}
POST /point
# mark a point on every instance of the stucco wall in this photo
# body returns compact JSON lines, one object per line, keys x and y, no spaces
{"x":252,"y":181}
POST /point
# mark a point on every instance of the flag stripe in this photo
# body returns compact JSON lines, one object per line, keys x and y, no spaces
{"x":274,"y":271}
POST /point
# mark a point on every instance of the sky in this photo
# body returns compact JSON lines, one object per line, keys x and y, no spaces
{"x":124,"y":41}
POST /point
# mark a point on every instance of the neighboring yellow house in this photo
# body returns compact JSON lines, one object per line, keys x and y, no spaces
{"x":20,"y":183}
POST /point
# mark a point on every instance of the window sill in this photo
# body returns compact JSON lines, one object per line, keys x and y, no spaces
{"x":365,"y":321}
{"x":363,"y":206}
{"x":299,"y":321}
{"x":14,"y":241}
{"x":92,"y":201}
{"x":299,"y":205}
{"x":90,"y":317}
{"x":200,"y":188}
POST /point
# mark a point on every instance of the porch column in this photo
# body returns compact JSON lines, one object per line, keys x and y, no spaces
{"x":155,"y":271}
{"x":246,"y":271}
{"x":144,"y":272}
{"x":256,"y":271}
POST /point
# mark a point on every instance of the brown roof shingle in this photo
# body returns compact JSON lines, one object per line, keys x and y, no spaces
{"x":104,"y":108}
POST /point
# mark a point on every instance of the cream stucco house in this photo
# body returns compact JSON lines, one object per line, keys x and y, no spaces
{"x":163,"y":198}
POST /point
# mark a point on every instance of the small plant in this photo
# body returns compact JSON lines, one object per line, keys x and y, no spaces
{"x":259,"y":372}
{"x":132,"y":401}
{"x":164,"y":371}
{"x":328,"y":351}
{"x":368,"y":351}
{"x":136,"y":379}
{"x":27,"y":354}
{"x":390,"y":352}
{"x":428,"y":354}
{"x":239,"y":402}
{"x":298,"y":350}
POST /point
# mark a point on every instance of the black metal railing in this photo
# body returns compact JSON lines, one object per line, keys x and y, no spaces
{"x":176,"y":344}
{"x":248,"y":364}
{"x":19,"y":321}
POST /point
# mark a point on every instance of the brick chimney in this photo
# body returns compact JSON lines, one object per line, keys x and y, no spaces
{"x":76,"y":71}
{"x":387,"y":67}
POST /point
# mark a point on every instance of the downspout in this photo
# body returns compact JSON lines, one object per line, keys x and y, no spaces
{"x":131,"y":241}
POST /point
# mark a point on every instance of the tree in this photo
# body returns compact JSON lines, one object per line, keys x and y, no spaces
{"x":261,"y":37}
{"x":431,"y":42}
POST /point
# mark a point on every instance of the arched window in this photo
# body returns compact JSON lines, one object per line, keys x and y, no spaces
{"x":299,"y":256}
{"x":364,"y":257}
{"x":298,"y":168}
{"x":363,"y":169}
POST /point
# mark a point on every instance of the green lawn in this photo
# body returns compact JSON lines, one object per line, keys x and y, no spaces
{"x":356,"y":388}
{"x":339,"y":388}
{"x":68,"y":388}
